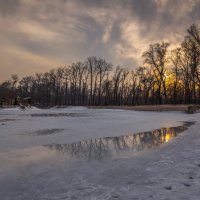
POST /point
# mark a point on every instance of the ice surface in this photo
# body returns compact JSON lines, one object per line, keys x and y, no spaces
{"x":78,"y":123}
{"x":31,"y":171}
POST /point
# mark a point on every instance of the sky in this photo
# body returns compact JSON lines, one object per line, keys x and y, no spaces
{"x":38,"y":35}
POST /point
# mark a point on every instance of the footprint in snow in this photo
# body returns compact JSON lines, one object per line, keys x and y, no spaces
{"x":186,"y":184}
{"x":168,"y":187}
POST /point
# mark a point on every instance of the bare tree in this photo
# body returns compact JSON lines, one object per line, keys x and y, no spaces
{"x":156,"y":58}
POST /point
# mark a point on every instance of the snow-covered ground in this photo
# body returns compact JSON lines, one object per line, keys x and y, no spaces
{"x":31,"y":170}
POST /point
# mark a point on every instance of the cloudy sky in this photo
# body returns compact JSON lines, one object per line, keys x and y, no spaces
{"x":37,"y":35}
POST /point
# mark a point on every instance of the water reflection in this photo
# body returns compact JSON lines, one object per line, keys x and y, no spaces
{"x":109,"y":147}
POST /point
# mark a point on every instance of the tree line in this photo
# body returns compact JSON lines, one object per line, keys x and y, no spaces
{"x":167,"y":77}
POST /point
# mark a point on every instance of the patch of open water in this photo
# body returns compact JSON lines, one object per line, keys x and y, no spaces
{"x":117,"y":147}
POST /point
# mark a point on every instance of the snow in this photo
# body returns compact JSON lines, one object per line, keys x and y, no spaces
{"x":30,"y":170}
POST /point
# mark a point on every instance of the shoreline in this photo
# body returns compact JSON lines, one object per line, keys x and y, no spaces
{"x":155,"y":108}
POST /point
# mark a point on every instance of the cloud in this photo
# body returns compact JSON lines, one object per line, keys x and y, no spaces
{"x":9,"y":7}
{"x":48,"y":33}
{"x":20,"y":60}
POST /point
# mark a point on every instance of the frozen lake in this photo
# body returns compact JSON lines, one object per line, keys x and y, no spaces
{"x":44,"y":154}
{"x":27,"y":128}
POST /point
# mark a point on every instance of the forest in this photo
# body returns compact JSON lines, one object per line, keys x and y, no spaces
{"x":166,"y":77}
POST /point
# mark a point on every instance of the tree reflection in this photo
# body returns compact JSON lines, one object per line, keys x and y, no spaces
{"x":102,"y":148}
